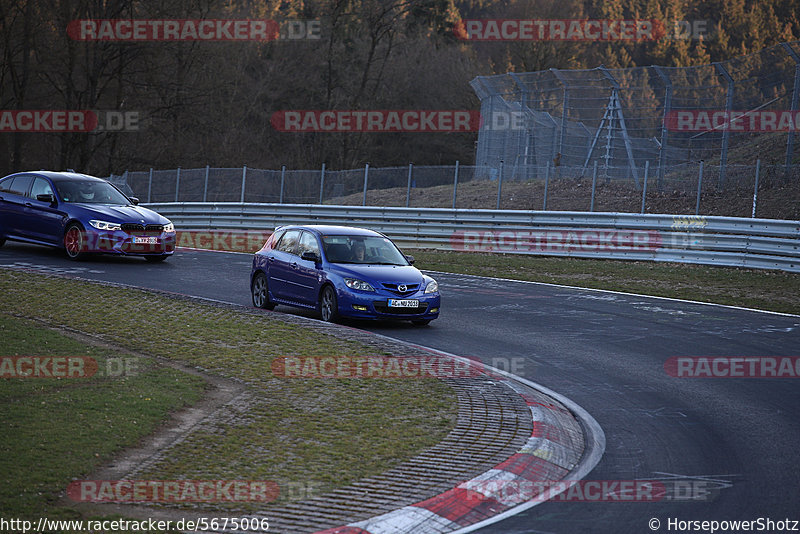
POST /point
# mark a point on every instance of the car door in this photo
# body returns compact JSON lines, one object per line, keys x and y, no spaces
{"x":281,"y":274}
{"x":307,"y":273}
{"x":42,"y":221}
{"x":14,"y":196}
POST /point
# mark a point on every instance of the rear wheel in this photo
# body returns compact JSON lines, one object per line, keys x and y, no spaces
{"x":328,"y":306}
{"x":421,"y":322}
{"x":155,"y":259}
{"x":75,"y":242}
{"x":2,"y":241}
{"x":260,"y":292}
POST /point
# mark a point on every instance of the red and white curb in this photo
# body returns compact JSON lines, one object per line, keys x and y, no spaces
{"x":554,"y":452}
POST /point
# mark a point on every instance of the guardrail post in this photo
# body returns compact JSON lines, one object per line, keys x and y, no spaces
{"x":150,"y":186}
{"x":455,"y":185}
{"x":755,"y":189}
{"x":244,"y":181}
{"x":500,"y":184}
{"x":644,"y":187}
{"x":177,"y":183}
{"x":283,"y":175}
{"x":699,"y":187}
{"x":594,"y":185}
{"x":546,"y":181}
{"x":321,"y":182}
{"x":205,"y":186}
{"x":366,"y":177}
{"x":408,"y":187}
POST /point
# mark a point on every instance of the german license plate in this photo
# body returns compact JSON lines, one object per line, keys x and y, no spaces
{"x":145,"y":241}
{"x":403,"y":303}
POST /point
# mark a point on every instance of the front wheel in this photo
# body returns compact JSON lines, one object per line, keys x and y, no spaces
{"x":328,"y":306}
{"x":75,"y":242}
{"x":260,"y":292}
{"x":421,"y":322}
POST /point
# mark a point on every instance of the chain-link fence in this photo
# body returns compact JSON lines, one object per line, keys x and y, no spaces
{"x":689,"y":188}
{"x":553,"y":122}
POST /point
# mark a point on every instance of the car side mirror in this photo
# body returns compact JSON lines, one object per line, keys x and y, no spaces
{"x":410,"y":259}
{"x":134,"y":201}
{"x":310,"y":256}
{"x":46,"y":197}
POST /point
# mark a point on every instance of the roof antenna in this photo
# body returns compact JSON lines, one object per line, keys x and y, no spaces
{"x":71,"y":170}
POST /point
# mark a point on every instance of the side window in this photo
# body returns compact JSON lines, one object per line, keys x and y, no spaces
{"x":5,"y":185}
{"x":308,"y":243}
{"x":20,"y":185}
{"x":41,"y":187}
{"x":288,"y":242}
{"x":275,"y":238}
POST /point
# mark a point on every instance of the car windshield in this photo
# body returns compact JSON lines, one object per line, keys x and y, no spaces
{"x":90,"y":192}
{"x":375,"y":250}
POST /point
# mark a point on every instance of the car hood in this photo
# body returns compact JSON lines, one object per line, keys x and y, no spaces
{"x":121,"y":214}
{"x":390,"y":274}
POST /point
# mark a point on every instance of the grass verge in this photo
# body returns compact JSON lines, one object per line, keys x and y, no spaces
{"x":767,"y":290}
{"x":322,"y":433}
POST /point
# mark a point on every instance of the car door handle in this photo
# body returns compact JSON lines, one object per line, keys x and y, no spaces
{"x":271,"y":259}
{"x":294,"y":265}
{"x":28,"y":204}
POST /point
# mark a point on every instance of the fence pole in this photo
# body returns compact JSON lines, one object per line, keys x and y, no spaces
{"x":366,"y":177}
{"x":205,"y":186}
{"x":726,"y":133}
{"x":755,"y":189}
{"x":150,"y":186}
{"x":321,"y":182}
{"x":699,"y":187}
{"x":792,"y":107}
{"x":408,"y":187}
{"x":455,"y":185}
{"x":244,"y":181}
{"x":644,"y":187}
{"x":546,"y":181}
{"x":499,"y":185}
{"x":283,"y":175}
{"x":177,"y":183}
{"x":594,"y":184}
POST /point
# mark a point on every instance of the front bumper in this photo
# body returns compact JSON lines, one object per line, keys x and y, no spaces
{"x":125,"y":243}
{"x":374,"y":305}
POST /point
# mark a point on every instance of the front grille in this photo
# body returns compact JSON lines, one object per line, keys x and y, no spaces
{"x":141,"y":229}
{"x":410,"y":288}
{"x":382,"y":307}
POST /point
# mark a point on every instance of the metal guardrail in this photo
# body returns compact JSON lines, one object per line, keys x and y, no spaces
{"x":724,"y":241}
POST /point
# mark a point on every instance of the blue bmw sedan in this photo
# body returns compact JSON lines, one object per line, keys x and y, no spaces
{"x":82,"y":215}
{"x":342,"y":272}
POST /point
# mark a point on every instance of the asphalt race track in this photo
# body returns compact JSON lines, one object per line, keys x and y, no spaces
{"x":731,"y":444}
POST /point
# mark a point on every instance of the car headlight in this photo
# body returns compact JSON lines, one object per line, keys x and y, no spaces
{"x":104,"y":225}
{"x":169,"y":228}
{"x":355,"y":283}
{"x":432,"y":287}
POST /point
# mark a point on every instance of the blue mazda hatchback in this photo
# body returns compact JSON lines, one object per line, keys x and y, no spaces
{"x":81,"y":215}
{"x":342,"y":272}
